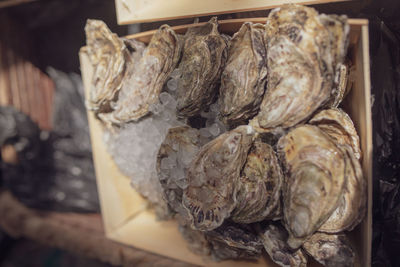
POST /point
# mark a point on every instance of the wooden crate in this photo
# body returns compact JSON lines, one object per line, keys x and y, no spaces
{"x":129,"y":11}
{"x":126,"y":219}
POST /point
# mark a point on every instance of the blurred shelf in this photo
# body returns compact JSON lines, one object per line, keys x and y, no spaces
{"x":82,"y":234}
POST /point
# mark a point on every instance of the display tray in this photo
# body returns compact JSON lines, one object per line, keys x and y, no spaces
{"x":124,"y":211}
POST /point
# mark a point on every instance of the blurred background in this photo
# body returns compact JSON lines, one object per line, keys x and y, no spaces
{"x":49,"y":207}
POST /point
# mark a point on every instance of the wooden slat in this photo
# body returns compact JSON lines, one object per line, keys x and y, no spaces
{"x":8,"y":3}
{"x":134,"y":11}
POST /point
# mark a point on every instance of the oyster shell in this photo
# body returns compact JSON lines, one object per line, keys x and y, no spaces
{"x":330,"y":250}
{"x":259,"y":187}
{"x":196,"y":240}
{"x":300,"y":67}
{"x":243,"y":79}
{"x":339,"y":126}
{"x":213,"y":176}
{"x":143,"y":87}
{"x":339,"y":32}
{"x":176,"y":152}
{"x":108,"y":54}
{"x":315,"y":173}
{"x":353,"y":202}
{"x":233,"y":241}
{"x":274,"y":240}
{"x":204,"y":56}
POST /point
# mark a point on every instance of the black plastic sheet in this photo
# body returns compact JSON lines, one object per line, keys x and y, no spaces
{"x":385,"y":78}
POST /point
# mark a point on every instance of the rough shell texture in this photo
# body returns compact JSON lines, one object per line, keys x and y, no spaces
{"x":339,"y":32}
{"x":142,"y":88}
{"x":339,"y":126}
{"x":233,"y":241}
{"x":342,"y":86}
{"x":260,"y":184}
{"x":243,"y":79}
{"x":300,"y":71}
{"x":274,"y":240}
{"x":107,"y":53}
{"x":330,"y":250}
{"x":213,"y":176}
{"x":176,"y":152}
{"x":315,"y":172}
{"x":353,"y":202}
{"x":203,"y":59}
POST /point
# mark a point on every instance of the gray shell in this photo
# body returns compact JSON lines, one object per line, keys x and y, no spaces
{"x":178,"y":149}
{"x":142,"y":88}
{"x":234,"y":241}
{"x":203,"y":59}
{"x":213,"y":176}
{"x":315,"y":172}
{"x":330,"y":250}
{"x":259,"y":187}
{"x":274,"y":240}
{"x":243,"y":79}
{"x":300,"y":67}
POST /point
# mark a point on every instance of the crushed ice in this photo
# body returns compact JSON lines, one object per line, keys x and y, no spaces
{"x":134,"y":146}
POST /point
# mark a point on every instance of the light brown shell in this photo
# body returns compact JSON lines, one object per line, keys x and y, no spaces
{"x":339,"y":32}
{"x":330,"y":250}
{"x":203,"y":59}
{"x":274,"y":240}
{"x":213,"y":176}
{"x":300,"y":67}
{"x":353,"y":203}
{"x":315,"y":172}
{"x":108,"y":55}
{"x":339,"y":126}
{"x":259,"y":187}
{"x":243,"y":79}
{"x":142,"y":88}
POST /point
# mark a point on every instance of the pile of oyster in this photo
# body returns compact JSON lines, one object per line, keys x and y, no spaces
{"x":257,"y":155}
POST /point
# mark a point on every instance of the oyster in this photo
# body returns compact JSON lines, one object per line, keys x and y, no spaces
{"x":204,"y":55}
{"x":233,"y":241}
{"x":300,"y":67}
{"x":353,"y":202}
{"x":274,"y":240}
{"x":243,"y":79}
{"x":343,"y":85}
{"x":339,"y":32}
{"x":315,"y":173}
{"x":339,"y":126}
{"x":330,"y":250}
{"x":213,"y":176}
{"x":109,"y":56}
{"x":142,"y":88}
{"x":196,"y":240}
{"x":176,"y":152}
{"x":259,"y":187}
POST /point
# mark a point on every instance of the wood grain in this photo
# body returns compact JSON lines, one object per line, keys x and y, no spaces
{"x":135,"y":11}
